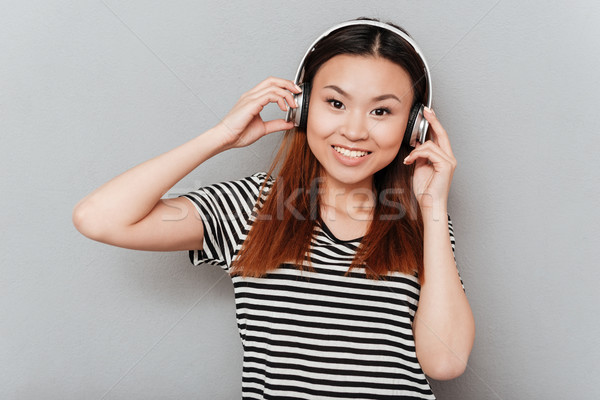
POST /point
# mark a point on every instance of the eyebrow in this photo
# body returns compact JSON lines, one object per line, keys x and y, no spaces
{"x":377,"y":98}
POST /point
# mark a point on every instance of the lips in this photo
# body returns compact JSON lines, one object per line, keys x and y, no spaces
{"x":350,"y":152}
{"x":359,"y":157}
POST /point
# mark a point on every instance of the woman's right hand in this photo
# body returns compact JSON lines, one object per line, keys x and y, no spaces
{"x":243,"y":125}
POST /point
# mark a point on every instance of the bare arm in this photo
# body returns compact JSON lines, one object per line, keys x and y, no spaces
{"x":444,"y":328}
{"x":128,"y":210}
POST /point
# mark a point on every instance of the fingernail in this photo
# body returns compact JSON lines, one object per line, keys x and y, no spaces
{"x":298,"y":87}
{"x":429,"y":110}
{"x":405,"y":160}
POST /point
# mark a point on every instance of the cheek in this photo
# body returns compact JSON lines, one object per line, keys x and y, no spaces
{"x":317,"y":144}
{"x":320,"y":120}
{"x":389,"y":134}
{"x":391,"y":150}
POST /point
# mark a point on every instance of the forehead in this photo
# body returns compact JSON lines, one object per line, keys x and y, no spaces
{"x":362,"y":73}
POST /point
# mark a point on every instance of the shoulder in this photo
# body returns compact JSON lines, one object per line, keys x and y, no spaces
{"x":258,"y":183}
{"x":233,"y":195}
{"x":248,"y":186}
{"x":260,"y":178}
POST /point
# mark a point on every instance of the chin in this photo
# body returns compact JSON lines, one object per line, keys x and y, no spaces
{"x":350,"y":177}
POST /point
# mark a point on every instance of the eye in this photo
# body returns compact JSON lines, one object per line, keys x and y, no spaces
{"x":380,"y":112}
{"x":335,"y":103}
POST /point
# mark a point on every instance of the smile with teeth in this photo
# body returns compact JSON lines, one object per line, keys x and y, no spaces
{"x":350,"y":153}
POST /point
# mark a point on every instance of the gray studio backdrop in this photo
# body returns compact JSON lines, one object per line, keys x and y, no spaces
{"x":89,"y":89}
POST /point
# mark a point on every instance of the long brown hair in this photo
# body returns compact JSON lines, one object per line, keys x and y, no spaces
{"x":394,"y":240}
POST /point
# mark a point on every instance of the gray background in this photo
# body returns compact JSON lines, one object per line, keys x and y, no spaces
{"x":89,"y":89}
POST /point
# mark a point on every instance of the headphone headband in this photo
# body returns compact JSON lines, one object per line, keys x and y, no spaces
{"x":408,"y":39}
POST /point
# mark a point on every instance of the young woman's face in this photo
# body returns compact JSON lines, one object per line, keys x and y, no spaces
{"x":358,"y":110}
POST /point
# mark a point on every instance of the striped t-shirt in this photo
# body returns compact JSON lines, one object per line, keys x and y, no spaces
{"x":313,"y":334}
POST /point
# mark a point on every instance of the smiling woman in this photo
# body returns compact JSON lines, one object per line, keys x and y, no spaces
{"x":365,"y":61}
{"x":343,"y":264}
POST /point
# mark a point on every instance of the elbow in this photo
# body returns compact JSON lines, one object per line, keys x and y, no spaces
{"x":86,"y":222}
{"x":445,"y":368}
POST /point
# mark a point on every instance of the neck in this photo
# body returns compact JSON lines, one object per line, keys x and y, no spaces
{"x":356,"y":200}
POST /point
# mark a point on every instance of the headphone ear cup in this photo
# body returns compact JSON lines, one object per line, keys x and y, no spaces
{"x":303,"y":108}
{"x":411,"y":135}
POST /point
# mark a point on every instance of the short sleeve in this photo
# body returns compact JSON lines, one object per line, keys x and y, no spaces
{"x":453,"y":244}
{"x":227,"y":210}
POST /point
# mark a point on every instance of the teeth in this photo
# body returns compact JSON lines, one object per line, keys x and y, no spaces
{"x":349,"y":153}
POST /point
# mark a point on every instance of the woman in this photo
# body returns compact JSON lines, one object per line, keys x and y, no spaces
{"x":343,"y":264}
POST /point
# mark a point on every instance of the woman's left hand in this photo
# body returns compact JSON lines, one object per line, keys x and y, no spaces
{"x":434,"y":166}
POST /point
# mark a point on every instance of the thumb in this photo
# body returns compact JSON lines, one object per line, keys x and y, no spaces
{"x":277,"y":125}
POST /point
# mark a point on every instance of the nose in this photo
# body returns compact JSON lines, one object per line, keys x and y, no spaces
{"x":354,"y":126}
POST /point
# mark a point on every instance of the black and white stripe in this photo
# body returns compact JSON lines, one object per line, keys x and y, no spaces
{"x":317,"y":334}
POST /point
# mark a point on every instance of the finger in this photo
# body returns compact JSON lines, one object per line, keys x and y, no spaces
{"x":285,"y":84}
{"x":438,"y":162}
{"x":430,"y":148}
{"x":276,"y":82}
{"x":440,"y":136}
{"x":256,"y":104}
{"x":430,"y":144}
{"x":431,"y":153}
{"x":282,"y":104}
{"x":279,"y":94}
{"x":270,"y":97}
{"x":277,"y":125}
